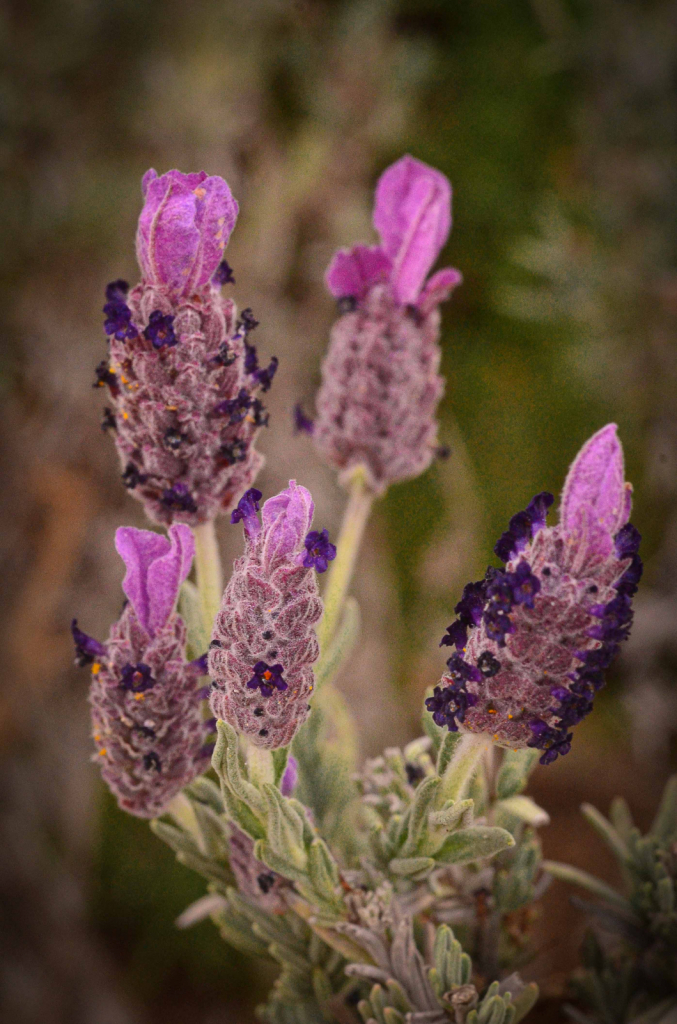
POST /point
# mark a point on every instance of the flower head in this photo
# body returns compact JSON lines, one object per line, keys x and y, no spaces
{"x":319,"y":551}
{"x":264,"y":644}
{"x":533,"y":639}
{"x":148,"y":727}
{"x":184,"y":381}
{"x":380,"y":386}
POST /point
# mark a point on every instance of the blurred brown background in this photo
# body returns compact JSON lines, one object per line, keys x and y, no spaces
{"x":556,"y":121}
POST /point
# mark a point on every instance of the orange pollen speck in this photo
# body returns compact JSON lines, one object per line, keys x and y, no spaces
{"x":492,"y":711}
{"x":200,"y":192}
{"x":139,"y":696}
{"x":103,"y":752}
{"x":510,"y":716}
{"x":267,"y":675}
{"x":96,"y":668}
{"x":125,"y":415}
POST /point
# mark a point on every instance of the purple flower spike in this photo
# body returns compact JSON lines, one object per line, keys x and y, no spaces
{"x":380,"y":386}
{"x":533,"y":640}
{"x":413,"y":217}
{"x":302,"y":423}
{"x":290,"y":777}
{"x":184,"y":226}
{"x":156,"y":568}
{"x":596,"y":499}
{"x":87,"y":649}
{"x":319,"y":551}
{"x":246,"y":512}
{"x":267,"y":620}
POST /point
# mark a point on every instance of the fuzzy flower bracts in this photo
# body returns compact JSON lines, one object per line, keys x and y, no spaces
{"x":183,"y":378}
{"x":533,"y":640}
{"x":264,"y":644}
{"x":380,"y":386}
{"x":146,"y":704}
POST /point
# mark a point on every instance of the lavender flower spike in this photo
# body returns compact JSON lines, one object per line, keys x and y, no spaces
{"x":380,"y":386}
{"x":533,"y":640}
{"x":264,"y":644}
{"x":183,"y":378}
{"x":146,"y":705}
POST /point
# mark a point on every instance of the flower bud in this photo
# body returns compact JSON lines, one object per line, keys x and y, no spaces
{"x":182,"y":373}
{"x":264,"y":644}
{"x":532,"y":641}
{"x":380,"y":386}
{"x":146,"y":704}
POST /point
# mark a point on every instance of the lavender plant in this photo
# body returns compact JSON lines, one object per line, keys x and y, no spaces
{"x":401,"y":889}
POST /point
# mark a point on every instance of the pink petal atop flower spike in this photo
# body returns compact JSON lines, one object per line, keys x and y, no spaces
{"x":353,"y":271}
{"x":286,"y":520}
{"x":156,"y":568}
{"x":183,"y":228}
{"x":413,"y":217}
{"x":438,"y":288}
{"x":596,"y":499}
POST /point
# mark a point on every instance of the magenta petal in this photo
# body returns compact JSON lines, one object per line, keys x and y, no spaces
{"x":184,"y":225}
{"x":438,"y":288}
{"x":290,"y":777}
{"x":352,"y":271}
{"x":156,"y":568}
{"x":596,"y":499}
{"x":286,"y":521}
{"x":412,"y":214}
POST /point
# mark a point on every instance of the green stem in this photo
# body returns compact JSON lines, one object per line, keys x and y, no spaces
{"x":347,"y":547}
{"x":208,"y":573}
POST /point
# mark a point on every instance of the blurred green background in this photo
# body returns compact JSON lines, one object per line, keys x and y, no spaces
{"x":556,"y":121}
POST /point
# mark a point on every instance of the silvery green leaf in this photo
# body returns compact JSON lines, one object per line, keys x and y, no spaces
{"x":397,"y":997}
{"x":201,"y":909}
{"x":285,"y":828}
{"x":322,"y":987}
{"x":323,"y":874}
{"x":284,"y":867}
{"x":174,"y":837}
{"x":575,"y":876}
{"x":452,"y":965}
{"x":243,"y":816}
{"x":418,"y":816}
{"x":452,"y":814}
{"x":204,"y":790}
{"x":461,"y":769}
{"x":450,"y":741}
{"x":526,"y":809}
{"x":514,"y":772}
{"x":190,"y":610}
{"x":606,"y":830}
{"x":226,"y":764}
{"x":665,"y":893}
{"x":412,"y":867}
{"x":392,"y":1016}
{"x":214,"y":831}
{"x":524,"y":1001}
{"x":621,"y":817}
{"x":205,"y":867}
{"x":491,"y":1010}
{"x":474,"y":843}
{"x":280,"y":758}
{"x":664,"y":826}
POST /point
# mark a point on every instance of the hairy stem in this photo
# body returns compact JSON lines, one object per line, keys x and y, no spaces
{"x":347,"y":548}
{"x":208,"y":573}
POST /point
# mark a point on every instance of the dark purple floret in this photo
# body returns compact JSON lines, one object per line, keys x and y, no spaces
{"x":131,"y":477}
{"x":108,"y":420}
{"x":488,"y":665}
{"x":523,"y":526}
{"x":319,"y":551}
{"x":455,"y":636}
{"x":461,"y":671}
{"x":469,"y":608}
{"x":118,"y":322}
{"x":179,"y":499}
{"x":346,"y":304}
{"x":302,"y":423}
{"x":246,"y":321}
{"x":87,"y":649}
{"x":199,"y":665}
{"x":224,"y":357}
{"x":251,"y":360}
{"x":116,"y":291}
{"x":627,"y":541}
{"x":616,"y":619}
{"x":551,"y":741}
{"x":264,"y":377}
{"x":105,"y":376}
{"x":234,"y":452}
{"x":267,"y":679}
{"x":152,"y":761}
{"x":247,"y":506}
{"x":524,"y":585}
{"x":223,"y":274}
{"x":137,"y":678}
{"x":235,"y":408}
{"x":449,"y":704}
{"x":160,"y":330}
{"x":259,"y":414}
